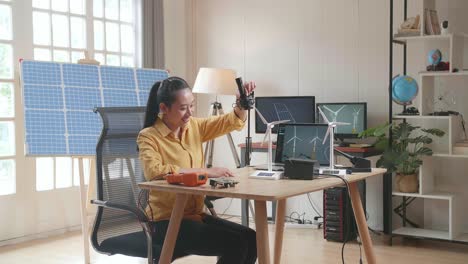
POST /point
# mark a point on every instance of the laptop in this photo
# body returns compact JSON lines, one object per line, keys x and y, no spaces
{"x":303,"y":141}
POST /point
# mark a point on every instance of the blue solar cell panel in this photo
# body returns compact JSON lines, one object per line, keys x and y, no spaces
{"x":114,"y":97}
{"x":146,"y":78}
{"x":114,"y":77}
{"x":83,"y":123}
{"x":46,"y":145}
{"x":82,"y":98}
{"x":81,"y":145}
{"x":45,"y":122}
{"x":43,"y":97}
{"x":52,"y":89}
{"x":41,"y":73}
{"x":80,"y":75}
{"x":143,"y":97}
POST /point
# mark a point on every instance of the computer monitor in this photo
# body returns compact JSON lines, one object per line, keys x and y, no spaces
{"x":353,"y":113}
{"x":297,"y":109}
{"x":304,"y":141}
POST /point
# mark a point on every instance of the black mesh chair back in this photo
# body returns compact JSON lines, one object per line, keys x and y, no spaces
{"x":121,"y":226}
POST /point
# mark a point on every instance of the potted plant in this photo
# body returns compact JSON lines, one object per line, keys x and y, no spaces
{"x":404,"y":157}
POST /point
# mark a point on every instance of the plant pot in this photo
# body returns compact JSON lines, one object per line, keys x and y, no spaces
{"x":407,"y":183}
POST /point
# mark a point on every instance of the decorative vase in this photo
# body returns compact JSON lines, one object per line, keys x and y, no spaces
{"x":407,"y":183}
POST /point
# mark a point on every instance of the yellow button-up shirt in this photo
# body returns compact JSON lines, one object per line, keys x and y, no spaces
{"x":161,"y":152}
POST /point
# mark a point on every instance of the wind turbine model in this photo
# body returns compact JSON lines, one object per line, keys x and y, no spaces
{"x":355,"y":119}
{"x":331,"y":132}
{"x":269,"y":174}
{"x":314,"y":142}
{"x":333,"y":113}
{"x":294,"y":139}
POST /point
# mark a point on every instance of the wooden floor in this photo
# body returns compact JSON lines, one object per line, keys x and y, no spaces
{"x":300,"y":246}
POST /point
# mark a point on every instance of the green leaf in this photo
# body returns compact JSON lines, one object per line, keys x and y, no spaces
{"x":424,"y":151}
{"x":420,"y":139}
{"x":403,"y":131}
{"x":377,"y":131}
{"x":381,"y":144}
{"x":434,"y":132}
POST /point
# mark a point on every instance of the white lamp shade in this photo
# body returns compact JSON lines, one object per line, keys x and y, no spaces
{"x":215,"y":81}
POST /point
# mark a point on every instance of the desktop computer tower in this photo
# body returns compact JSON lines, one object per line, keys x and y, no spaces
{"x":338,"y":217}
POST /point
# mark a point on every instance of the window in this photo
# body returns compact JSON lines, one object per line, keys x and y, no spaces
{"x":114,"y":25}
{"x":7,"y":102}
{"x":54,"y":173}
{"x":59,"y":30}
{"x":62,"y":32}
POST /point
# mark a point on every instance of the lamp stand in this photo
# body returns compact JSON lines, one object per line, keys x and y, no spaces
{"x":217,"y":109}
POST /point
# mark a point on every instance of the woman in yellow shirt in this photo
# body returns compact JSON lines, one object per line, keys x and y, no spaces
{"x":171,"y":142}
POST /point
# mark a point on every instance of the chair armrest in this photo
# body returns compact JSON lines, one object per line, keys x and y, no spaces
{"x":137,"y":212}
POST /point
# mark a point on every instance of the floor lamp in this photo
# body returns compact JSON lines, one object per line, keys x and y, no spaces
{"x":219,"y":82}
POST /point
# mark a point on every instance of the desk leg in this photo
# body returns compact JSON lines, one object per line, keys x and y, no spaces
{"x":361,"y":222}
{"x":245,"y":212}
{"x":173,"y":229}
{"x":261,"y":226}
{"x":279,"y":226}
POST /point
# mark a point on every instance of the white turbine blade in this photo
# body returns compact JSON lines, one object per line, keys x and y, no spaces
{"x":323,"y":115}
{"x":261,"y":116}
{"x":326,"y":135}
{"x":341,"y":123}
{"x":279,"y":122}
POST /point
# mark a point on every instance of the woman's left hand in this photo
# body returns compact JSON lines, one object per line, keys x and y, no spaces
{"x":249,"y":87}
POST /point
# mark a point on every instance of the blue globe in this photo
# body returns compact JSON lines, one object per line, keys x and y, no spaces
{"x":434,"y":57}
{"x":404,"y":89}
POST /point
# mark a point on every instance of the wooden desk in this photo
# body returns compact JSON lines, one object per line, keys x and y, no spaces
{"x":261,"y":191}
{"x":259,"y":147}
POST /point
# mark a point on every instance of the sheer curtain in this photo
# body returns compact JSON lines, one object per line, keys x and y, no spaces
{"x":153,"y":34}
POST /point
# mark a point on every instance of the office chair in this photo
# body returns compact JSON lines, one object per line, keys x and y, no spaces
{"x":121,"y":226}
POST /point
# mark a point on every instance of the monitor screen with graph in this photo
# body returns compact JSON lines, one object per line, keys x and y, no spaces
{"x":296,"y":109}
{"x":353,"y":113}
{"x":303,"y":141}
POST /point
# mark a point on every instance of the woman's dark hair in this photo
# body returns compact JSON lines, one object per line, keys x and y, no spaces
{"x":162,"y":92}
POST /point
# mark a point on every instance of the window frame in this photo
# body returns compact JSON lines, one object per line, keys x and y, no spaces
{"x":90,"y":47}
{"x":12,"y":81}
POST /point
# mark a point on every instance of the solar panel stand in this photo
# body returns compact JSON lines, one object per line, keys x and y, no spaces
{"x":217,"y":109}
{"x":84,"y":214}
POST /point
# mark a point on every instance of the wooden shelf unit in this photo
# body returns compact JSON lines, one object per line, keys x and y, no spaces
{"x":444,"y":209}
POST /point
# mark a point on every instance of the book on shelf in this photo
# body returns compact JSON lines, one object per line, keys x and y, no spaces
{"x":431,"y":22}
{"x":435,"y":22}
{"x":427,"y":22}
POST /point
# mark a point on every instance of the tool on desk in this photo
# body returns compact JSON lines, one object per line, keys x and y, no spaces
{"x":359,"y":164}
{"x":222,"y":182}
{"x":187,"y":179}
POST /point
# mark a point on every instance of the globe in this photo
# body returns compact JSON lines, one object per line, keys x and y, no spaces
{"x":404,"y":89}
{"x":434,"y":57}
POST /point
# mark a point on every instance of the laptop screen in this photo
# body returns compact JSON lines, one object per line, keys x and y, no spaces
{"x":303,"y":141}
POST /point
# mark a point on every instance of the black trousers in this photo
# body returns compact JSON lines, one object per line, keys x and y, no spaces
{"x":232,"y":243}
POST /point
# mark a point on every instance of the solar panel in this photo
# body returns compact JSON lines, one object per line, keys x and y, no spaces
{"x":59,"y":99}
